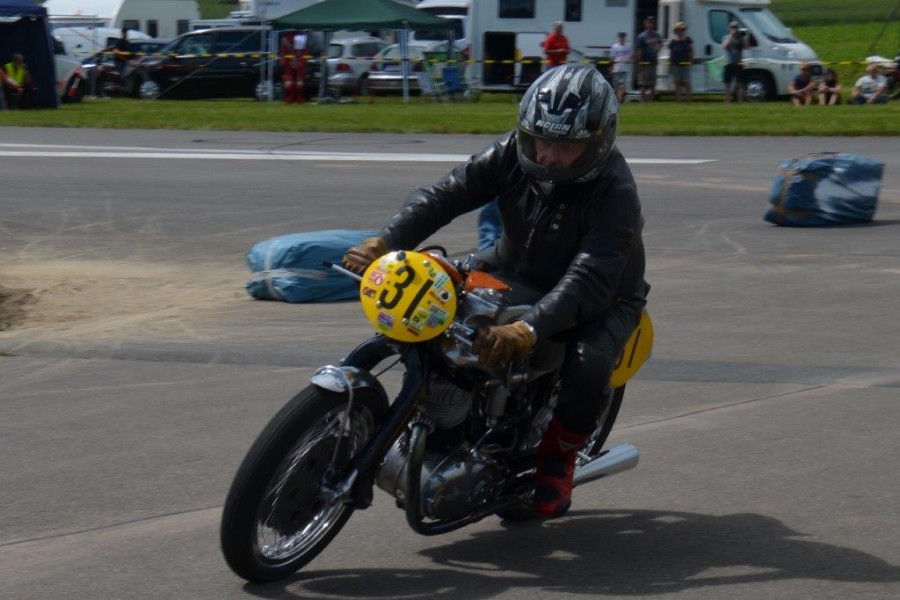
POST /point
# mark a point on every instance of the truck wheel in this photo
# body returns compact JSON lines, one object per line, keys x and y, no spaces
{"x":759,"y":88}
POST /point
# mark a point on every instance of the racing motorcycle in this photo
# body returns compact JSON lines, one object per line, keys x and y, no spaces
{"x":457,"y":444}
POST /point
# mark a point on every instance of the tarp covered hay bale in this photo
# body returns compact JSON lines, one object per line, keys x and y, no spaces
{"x":290,"y":267}
{"x":825,"y":189}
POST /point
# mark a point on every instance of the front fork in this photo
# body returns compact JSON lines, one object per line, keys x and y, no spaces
{"x":353,"y":485}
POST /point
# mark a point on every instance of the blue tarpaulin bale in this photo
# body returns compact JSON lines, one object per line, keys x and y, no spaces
{"x":825,"y":189}
{"x":290,"y":267}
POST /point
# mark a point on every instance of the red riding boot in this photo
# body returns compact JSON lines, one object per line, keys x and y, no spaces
{"x":555,"y":470}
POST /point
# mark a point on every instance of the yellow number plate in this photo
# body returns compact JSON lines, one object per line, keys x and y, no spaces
{"x":409,"y":300}
{"x":635,"y":354}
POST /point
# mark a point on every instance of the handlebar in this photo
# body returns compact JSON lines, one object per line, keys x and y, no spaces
{"x":342,"y":270}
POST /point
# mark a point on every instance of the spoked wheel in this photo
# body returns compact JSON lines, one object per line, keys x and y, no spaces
{"x":523,"y":512}
{"x":276,"y":518}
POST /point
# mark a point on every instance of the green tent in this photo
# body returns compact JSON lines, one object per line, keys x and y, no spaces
{"x":335,"y":15}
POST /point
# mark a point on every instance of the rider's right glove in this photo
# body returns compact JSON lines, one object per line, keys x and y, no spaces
{"x":358,"y":258}
{"x":496,"y":345}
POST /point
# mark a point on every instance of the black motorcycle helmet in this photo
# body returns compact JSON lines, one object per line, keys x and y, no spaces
{"x":568,"y":104}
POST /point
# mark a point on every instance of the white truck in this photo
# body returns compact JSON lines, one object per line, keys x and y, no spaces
{"x":506,"y":35}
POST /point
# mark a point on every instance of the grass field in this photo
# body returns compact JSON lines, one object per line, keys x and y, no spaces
{"x":843,"y":33}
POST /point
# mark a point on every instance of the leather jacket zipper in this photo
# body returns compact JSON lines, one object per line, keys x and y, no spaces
{"x":537,"y":222}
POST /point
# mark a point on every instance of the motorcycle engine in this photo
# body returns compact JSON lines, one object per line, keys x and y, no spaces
{"x":453,"y":483}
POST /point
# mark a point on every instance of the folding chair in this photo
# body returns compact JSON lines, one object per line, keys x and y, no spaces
{"x":436,"y":90}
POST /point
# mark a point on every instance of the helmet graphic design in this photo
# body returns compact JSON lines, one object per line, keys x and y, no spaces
{"x":569,"y":104}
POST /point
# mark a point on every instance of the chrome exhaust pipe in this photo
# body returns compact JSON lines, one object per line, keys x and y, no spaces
{"x":611,"y":461}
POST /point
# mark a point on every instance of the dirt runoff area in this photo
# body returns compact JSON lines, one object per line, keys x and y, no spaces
{"x":111,"y":300}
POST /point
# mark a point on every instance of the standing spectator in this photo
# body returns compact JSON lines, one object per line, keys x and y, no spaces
{"x":15,"y":81}
{"x":293,"y":66}
{"x":830,"y":89}
{"x":681,"y":57}
{"x":556,"y":47}
{"x":647,"y":57}
{"x":733,"y":44}
{"x":802,"y":86}
{"x":621,"y":52}
{"x":871,"y":88}
{"x":122,"y":51}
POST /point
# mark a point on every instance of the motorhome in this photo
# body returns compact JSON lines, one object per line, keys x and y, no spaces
{"x":506,"y":38}
{"x":156,"y":18}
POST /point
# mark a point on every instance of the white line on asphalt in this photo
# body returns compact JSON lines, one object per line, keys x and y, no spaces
{"x":191,"y":154}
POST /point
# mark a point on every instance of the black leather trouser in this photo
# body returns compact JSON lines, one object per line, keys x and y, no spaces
{"x":591,"y":351}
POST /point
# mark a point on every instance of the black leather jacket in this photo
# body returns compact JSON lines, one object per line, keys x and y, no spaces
{"x":581,"y":244}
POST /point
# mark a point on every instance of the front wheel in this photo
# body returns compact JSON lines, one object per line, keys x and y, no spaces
{"x":276,"y":518}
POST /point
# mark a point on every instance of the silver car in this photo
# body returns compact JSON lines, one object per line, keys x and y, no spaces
{"x":426,"y":58}
{"x":349,"y":61}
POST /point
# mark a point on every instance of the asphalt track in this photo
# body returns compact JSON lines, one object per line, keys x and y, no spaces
{"x":766,"y":418}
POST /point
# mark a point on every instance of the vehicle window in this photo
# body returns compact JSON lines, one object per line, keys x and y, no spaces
{"x":335,"y":50}
{"x":718,"y":24}
{"x":194,"y":44}
{"x":367,"y":50}
{"x":769,"y":25}
{"x":234,"y":42}
{"x":516,"y":9}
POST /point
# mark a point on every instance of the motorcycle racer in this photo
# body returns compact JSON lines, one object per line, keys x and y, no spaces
{"x":572,"y":228}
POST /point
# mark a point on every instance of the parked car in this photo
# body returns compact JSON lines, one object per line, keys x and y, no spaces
{"x":103,"y":73}
{"x":349,"y":61}
{"x":69,"y":80}
{"x":385,"y":74}
{"x":211,"y":63}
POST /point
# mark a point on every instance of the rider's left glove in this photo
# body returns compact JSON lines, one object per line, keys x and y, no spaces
{"x":358,"y":258}
{"x":496,"y":345}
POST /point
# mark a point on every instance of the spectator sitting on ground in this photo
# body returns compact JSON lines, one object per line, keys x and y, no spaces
{"x":830,"y":89}
{"x":17,"y":85}
{"x":802,"y":86}
{"x":871,"y":88}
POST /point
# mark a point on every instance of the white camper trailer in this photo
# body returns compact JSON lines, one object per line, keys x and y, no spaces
{"x":506,"y":37}
{"x":83,"y":42}
{"x":156,"y":18}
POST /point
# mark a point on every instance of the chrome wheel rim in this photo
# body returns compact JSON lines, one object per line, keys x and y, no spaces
{"x":149,"y":90}
{"x":293,"y":516}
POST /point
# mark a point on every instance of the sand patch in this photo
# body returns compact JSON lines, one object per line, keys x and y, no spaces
{"x":69,"y":299}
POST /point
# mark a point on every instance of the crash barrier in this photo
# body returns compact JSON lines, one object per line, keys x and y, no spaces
{"x":488,"y":61}
{"x":825,"y":188}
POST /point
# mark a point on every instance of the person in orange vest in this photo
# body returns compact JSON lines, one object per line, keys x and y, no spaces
{"x":556,"y":47}
{"x":293,"y":64}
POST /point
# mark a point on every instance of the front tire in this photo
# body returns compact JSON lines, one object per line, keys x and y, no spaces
{"x":275,"y":518}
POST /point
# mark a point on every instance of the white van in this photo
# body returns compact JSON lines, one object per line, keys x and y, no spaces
{"x":506,"y":37}
{"x":770,"y":63}
{"x":83,"y":42}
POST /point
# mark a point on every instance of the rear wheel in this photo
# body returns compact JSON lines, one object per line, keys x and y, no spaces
{"x":276,"y":518}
